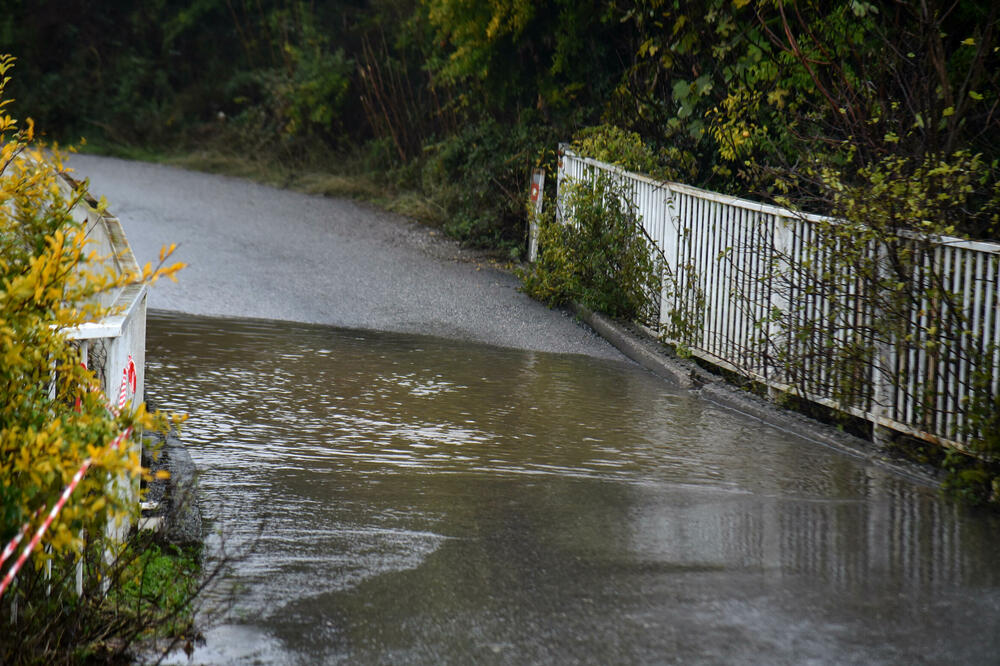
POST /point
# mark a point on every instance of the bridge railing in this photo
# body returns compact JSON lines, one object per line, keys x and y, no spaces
{"x":107,"y":346}
{"x":746,"y":287}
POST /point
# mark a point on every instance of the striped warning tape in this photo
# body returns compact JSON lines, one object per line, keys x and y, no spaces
{"x":128,"y":383}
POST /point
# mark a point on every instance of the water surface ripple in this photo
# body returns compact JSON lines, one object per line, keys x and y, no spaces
{"x":432,"y":501}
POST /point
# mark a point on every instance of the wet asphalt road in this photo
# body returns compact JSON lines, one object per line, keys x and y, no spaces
{"x":257,"y":251}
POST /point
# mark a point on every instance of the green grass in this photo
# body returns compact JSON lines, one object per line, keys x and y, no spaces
{"x":159,"y":584}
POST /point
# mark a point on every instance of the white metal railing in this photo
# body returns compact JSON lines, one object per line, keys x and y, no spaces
{"x":730,"y":264}
{"x":106,"y":346}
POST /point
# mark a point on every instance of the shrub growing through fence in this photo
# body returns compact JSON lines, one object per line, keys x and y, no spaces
{"x":597,"y":255}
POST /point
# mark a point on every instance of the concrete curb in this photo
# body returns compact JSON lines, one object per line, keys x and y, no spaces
{"x":684,"y":374}
{"x":645,"y":352}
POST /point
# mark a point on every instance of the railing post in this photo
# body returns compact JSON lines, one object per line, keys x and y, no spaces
{"x":671,"y":239}
{"x":779,"y":255}
{"x":883,"y":393}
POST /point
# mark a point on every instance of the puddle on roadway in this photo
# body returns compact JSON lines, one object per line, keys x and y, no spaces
{"x":432,"y":501}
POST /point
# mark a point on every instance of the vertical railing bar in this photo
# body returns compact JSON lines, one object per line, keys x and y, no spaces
{"x":661,"y":204}
{"x":957,"y":339}
{"x":898,"y":349}
{"x":722,"y":277}
{"x":699,"y":218}
{"x":934,"y":354}
{"x":907,"y":349}
{"x":836,"y":302}
{"x":793,"y":309}
{"x":924,"y":393}
{"x":701,"y":207}
{"x":952,"y":342}
{"x":683,"y":266}
{"x":718,"y":275}
{"x":967,"y":337}
{"x":758,"y":251}
{"x":901,"y":369}
{"x":753,"y":284}
{"x":642,"y":210}
{"x":849,"y":319}
{"x":866,"y":315}
{"x":941,"y":403}
{"x":833,"y":316}
{"x":691,"y":267}
{"x":986,"y":308}
{"x":708,"y":274}
{"x":808,"y":313}
{"x":857,"y":326}
{"x":835,"y":309}
{"x":655,"y":225}
{"x":676,"y":202}
{"x":817,"y":308}
{"x":801,"y":308}
{"x":719,"y":245}
{"x":735,"y":342}
{"x":680,"y":200}
{"x":747,"y":295}
{"x":922,"y":406}
{"x":828,"y":321}
{"x":919,"y":298}
{"x":979,"y":323}
{"x":735,"y":332}
{"x":715,"y":232}
{"x":865,"y":321}
{"x":766,"y":262}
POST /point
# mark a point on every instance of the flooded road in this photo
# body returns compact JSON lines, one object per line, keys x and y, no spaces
{"x":433,"y":501}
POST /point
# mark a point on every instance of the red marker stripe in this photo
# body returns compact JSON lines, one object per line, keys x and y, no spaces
{"x":12,"y":546}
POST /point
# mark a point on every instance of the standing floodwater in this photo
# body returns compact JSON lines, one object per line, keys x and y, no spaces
{"x":431,"y":501}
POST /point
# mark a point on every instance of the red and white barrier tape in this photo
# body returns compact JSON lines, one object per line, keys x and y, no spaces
{"x":128,"y":382}
{"x":12,"y":546}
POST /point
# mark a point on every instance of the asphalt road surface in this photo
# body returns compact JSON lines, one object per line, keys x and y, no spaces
{"x":261,"y":252}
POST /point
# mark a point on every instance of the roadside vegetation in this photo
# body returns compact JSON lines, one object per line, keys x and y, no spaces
{"x":885,"y":115}
{"x":601,"y":259}
{"x":80,"y":596}
{"x":453,"y":101}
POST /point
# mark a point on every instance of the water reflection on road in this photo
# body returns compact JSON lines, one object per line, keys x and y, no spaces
{"x":431,"y":501}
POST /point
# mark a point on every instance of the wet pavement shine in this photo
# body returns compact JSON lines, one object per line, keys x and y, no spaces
{"x":412,"y":499}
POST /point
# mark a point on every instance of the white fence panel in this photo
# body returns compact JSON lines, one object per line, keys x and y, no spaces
{"x":730,"y":263}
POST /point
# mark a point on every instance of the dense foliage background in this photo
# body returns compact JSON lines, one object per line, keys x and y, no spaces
{"x":456,"y":100}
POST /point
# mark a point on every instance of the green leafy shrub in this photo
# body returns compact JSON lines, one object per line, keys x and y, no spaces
{"x":598,"y":255}
{"x":478,"y":177}
{"x":971,"y":482}
{"x":625,"y":148}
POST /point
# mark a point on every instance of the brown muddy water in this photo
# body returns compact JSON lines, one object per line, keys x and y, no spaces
{"x":432,"y":501}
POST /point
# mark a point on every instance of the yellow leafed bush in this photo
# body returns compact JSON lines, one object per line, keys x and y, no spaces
{"x":50,"y":418}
